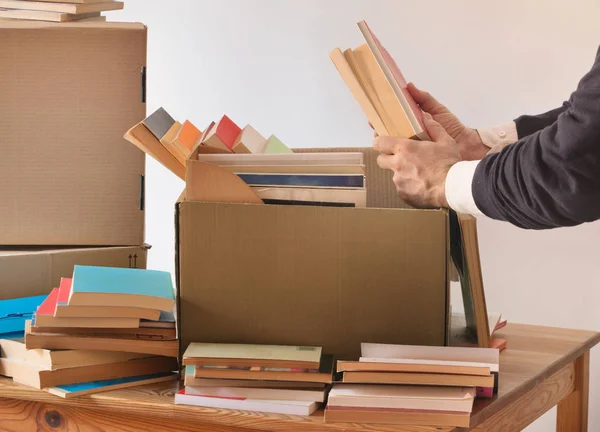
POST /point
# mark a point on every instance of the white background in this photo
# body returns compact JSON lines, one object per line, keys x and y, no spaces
{"x":265,"y":62}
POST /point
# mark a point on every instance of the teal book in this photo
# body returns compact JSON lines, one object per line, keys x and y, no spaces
{"x":73,"y":390}
{"x":14,"y":313}
{"x":112,"y":286}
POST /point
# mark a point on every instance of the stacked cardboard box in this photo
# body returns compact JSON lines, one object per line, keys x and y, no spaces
{"x":71,"y":188}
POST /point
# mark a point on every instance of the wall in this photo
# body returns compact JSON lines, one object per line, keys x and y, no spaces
{"x":265,"y":62}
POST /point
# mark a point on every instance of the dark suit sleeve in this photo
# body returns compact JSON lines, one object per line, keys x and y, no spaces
{"x":529,"y":124}
{"x":551,"y":177}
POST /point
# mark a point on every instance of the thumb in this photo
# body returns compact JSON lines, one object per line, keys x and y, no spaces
{"x":435,"y":130}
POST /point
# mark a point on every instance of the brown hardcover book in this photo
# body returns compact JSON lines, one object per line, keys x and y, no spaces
{"x":324,"y":375}
{"x":363,"y":366}
{"x":399,"y":417}
{"x":141,"y":333}
{"x":28,"y":374}
{"x":169,"y":348}
{"x":419,"y":379}
{"x":33,"y":15}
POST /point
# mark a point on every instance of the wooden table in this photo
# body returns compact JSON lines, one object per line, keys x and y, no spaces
{"x":542,"y":367}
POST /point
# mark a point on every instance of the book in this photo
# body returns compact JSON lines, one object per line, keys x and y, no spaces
{"x":140,"y":136}
{"x":186,"y":138}
{"x":63,"y":310}
{"x":191,"y":381}
{"x":143,"y":333}
{"x":33,"y":15}
{"x":215,"y":354}
{"x":381,"y":365}
{"x":333,"y":158}
{"x":376,"y":82}
{"x":267,"y":406}
{"x":402,"y":397}
{"x":296,"y":169}
{"x":312,"y":196}
{"x":58,"y":341}
{"x":159,"y":123}
{"x":324,"y":375}
{"x":166,"y":320}
{"x":275,"y":146}
{"x":485,"y":356}
{"x":14,"y":349}
{"x":259,"y":393}
{"x":222,"y":135}
{"x":350,"y":75}
{"x":33,"y":376}
{"x":81,"y":389}
{"x":14,"y":313}
{"x":64,"y":7}
{"x":397,"y":416}
{"x":249,"y":141}
{"x":111,"y":286}
{"x":414,"y":378}
{"x":44,"y":317}
{"x":168,"y":142}
{"x":305,"y":180}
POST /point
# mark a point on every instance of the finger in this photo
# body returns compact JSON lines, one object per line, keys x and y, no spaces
{"x":389,"y":145}
{"x":385,"y":161}
{"x":435,"y":130}
{"x":424,"y":99}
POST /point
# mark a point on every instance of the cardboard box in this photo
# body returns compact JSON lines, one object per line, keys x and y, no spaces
{"x":304,"y":275}
{"x":31,"y":272}
{"x":68,"y":93}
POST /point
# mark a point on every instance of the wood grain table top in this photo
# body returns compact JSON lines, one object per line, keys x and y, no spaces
{"x":534,"y":354}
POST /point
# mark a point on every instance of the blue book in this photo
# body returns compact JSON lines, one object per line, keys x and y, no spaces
{"x":113,"y":286}
{"x":14,"y":313}
{"x":73,"y":390}
{"x":306,"y":180}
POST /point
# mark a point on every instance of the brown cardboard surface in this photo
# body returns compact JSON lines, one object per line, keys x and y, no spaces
{"x":30,"y":272}
{"x":68,"y":94}
{"x":302,"y":275}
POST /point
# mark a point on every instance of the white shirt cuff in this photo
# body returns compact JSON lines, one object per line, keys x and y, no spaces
{"x":458,"y":188}
{"x":499,"y":135}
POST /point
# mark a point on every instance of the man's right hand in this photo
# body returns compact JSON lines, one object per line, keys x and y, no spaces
{"x":468,"y":140}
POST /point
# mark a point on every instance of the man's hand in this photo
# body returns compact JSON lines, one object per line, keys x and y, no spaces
{"x":468,"y":140}
{"x":420,"y":167}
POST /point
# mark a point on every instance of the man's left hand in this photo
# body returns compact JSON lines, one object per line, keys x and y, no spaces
{"x":420,"y":167}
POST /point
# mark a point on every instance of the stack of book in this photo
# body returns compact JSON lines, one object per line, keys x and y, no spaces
{"x":329,"y":179}
{"x":171,"y":142}
{"x":103,"y":328}
{"x":275,"y":173}
{"x":397,"y":384}
{"x":266,"y":378}
{"x":377,"y":84}
{"x":57,"y":10}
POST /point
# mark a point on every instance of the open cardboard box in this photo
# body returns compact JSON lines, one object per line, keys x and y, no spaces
{"x":303,"y":275}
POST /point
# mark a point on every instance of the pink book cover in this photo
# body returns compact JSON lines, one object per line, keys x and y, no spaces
{"x":228,"y":131}
{"x":484,"y":392}
{"x":49,"y":305}
{"x":64,"y":290}
{"x":391,"y":64}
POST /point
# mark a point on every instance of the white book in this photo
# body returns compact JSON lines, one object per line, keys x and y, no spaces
{"x":267,"y":406}
{"x":458,"y":399}
{"x":457,"y":354}
{"x":339,"y":158}
{"x":258,"y":393}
